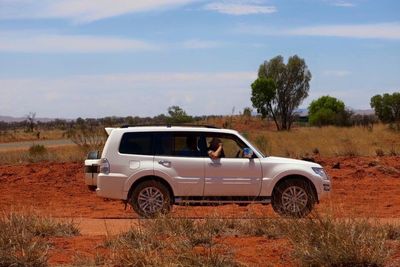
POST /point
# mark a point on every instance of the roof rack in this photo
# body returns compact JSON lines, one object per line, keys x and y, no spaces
{"x":170,"y":125}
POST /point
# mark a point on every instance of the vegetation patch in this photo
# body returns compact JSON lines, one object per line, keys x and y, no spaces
{"x":326,"y":241}
{"x":21,"y":238}
{"x":166,"y":241}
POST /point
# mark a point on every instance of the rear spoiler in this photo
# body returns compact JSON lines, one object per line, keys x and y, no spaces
{"x":109,"y":130}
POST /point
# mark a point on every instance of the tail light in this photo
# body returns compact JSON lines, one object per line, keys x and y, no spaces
{"x":104,"y":166}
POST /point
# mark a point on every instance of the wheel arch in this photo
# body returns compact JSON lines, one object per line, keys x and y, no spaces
{"x":153,"y":178}
{"x":297,"y":177}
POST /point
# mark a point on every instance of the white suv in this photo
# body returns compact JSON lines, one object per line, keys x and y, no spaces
{"x":152,"y":168}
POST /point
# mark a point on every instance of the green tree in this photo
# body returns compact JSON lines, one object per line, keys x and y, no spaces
{"x":387,"y":107}
{"x":291,"y":87}
{"x":328,"y":110}
{"x":178,"y":115}
{"x":263,"y":92}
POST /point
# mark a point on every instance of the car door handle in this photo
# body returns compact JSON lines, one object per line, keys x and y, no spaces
{"x":165,"y":163}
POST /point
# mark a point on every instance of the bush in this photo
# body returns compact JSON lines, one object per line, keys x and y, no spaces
{"x":325,"y":241}
{"x":37,"y":153}
{"x":88,"y":139}
{"x":328,"y":110}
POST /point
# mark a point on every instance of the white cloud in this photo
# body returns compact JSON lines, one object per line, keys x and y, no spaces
{"x":389,"y":31}
{"x":341,"y":3}
{"x":201,"y":44}
{"x":336,"y":73}
{"x":240,"y":7}
{"x":80,"y":10}
{"x":142,"y":94}
{"x":374,"y":31}
{"x":39,"y":42}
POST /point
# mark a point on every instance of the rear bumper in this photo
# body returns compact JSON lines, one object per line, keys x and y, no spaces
{"x":91,"y":171}
{"x":111,"y":186}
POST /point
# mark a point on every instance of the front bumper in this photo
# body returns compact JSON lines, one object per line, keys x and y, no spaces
{"x":325,"y":189}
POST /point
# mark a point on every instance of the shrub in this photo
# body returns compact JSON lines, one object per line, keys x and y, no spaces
{"x":325,"y":241}
{"x":328,"y":110}
{"x":37,"y":150}
{"x":37,"y":153}
{"x":87,"y":137}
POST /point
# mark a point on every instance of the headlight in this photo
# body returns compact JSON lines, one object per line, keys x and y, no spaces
{"x":321,"y":172}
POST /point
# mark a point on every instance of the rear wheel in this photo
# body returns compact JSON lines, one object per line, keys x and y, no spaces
{"x":150,"y":198}
{"x":293,"y":198}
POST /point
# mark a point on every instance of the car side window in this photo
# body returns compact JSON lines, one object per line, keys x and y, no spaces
{"x":136,"y":143}
{"x":179,"y":144}
{"x":232,"y":146}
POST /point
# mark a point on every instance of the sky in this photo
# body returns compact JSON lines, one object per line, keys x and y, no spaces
{"x":97,"y":58}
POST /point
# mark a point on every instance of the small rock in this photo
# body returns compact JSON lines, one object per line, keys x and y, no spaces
{"x":336,"y":165}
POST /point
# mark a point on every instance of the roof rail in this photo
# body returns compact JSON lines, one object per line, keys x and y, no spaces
{"x":171,"y":125}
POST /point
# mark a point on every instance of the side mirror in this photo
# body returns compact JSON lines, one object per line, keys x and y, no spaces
{"x":248,"y":153}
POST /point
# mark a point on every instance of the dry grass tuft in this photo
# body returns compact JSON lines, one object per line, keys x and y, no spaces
{"x":393,"y":231}
{"x":166,"y":241}
{"x":19,"y":135}
{"x":54,"y":154}
{"x":326,"y":241}
{"x":328,"y":141}
{"x":21,"y":238}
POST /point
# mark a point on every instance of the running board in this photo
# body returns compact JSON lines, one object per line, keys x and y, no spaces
{"x":182,"y":201}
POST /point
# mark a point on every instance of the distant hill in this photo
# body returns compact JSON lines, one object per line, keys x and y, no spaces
{"x":301,"y":112}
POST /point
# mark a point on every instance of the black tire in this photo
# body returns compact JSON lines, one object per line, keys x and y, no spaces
{"x":293,"y":198}
{"x":150,"y":198}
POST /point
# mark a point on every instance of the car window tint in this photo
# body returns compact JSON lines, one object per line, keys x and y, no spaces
{"x":137,"y":143}
{"x":179,"y":144}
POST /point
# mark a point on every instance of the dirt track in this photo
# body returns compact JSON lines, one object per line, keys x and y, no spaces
{"x":24,"y":145}
{"x":362,"y":187}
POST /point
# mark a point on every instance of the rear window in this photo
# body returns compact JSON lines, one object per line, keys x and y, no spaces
{"x":136,"y":143}
{"x":179,"y":144}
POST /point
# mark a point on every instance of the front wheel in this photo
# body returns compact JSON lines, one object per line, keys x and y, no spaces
{"x":293,"y":198}
{"x":150,"y":198}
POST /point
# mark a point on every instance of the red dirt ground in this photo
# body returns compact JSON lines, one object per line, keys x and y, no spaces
{"x":362,"y":187}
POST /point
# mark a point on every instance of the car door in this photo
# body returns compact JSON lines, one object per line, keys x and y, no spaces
{"x":179,"y":160}
{"x":231,"y":175}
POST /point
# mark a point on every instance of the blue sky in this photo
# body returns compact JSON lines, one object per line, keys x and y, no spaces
{"x":95,"y":58}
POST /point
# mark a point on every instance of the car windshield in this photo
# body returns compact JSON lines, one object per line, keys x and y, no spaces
{"x":253,"y":146}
